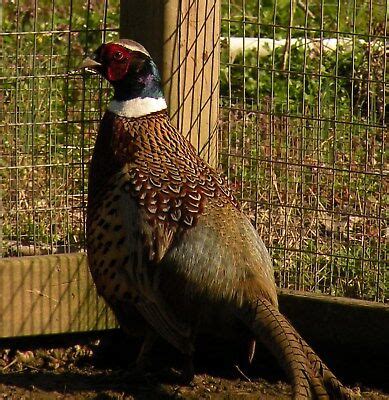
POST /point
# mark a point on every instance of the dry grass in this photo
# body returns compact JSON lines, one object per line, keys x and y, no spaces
{"x":318,"y":203}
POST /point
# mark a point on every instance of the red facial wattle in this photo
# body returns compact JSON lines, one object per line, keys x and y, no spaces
{"x":117,"y":71}
{"x":117,"y":61}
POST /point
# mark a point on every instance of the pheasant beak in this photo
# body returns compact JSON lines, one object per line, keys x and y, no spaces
{"x":91,"y":64}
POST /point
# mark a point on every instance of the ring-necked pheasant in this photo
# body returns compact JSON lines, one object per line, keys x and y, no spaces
{"x":168,"y":247}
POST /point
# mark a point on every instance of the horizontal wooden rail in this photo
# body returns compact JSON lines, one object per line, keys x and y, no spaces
{"x":49,"y":294}
{"x":55,"y":294}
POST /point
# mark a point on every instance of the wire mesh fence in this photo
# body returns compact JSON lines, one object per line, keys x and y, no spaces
{"x":302,"y":131}
{"x":303,"y":136}
{"x":49,"y":114}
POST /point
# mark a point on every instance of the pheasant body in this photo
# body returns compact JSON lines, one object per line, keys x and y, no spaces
{"x":168,"y":247}
{"x":161,"y":190}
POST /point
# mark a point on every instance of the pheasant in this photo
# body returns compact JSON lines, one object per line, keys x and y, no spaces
{"x":169,"y":249}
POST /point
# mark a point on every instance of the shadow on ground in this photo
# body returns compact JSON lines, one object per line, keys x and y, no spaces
{"x":101,"y":370}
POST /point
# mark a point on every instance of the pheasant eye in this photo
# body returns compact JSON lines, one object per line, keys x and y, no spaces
{"x":118,"y":56}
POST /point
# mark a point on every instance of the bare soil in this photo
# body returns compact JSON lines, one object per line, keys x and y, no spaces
{"x":101,"y":370}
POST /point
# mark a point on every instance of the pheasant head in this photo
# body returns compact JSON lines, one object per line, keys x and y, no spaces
{"x":129,"y":68}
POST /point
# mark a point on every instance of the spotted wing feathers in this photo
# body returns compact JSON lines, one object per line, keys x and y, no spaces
{"x":169,"y":181}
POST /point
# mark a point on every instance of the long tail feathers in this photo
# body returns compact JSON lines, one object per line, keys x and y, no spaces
{"x":310,"y":377}
{"x":333,"y":386}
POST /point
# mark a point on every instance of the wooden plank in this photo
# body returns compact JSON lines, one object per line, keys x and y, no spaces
{"x":330,"y":322}
{"x":55,"y":294}
{"x":183,"y":37}
{"x":49,"y":294}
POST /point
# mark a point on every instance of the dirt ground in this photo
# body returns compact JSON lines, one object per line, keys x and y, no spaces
{"x":99,"y":371}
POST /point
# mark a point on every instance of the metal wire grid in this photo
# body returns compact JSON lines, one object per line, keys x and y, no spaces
{"x":303,"y":133}
{"x":48,"y":118}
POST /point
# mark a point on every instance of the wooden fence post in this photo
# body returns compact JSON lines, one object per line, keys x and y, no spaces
{"x":183,"y":37}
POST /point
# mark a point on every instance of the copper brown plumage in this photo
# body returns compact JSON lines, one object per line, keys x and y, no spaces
{"x":168,"y":247}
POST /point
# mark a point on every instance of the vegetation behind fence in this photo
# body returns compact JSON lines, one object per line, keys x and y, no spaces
{"x":303,"y":134}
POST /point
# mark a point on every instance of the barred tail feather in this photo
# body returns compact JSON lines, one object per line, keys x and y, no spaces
{"x":310,"y":377}
{"x":332,"y":384}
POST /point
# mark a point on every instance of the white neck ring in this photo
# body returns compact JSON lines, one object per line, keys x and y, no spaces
{"x":138,"y":107}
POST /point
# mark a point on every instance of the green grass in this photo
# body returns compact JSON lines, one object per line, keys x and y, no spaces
{"x":302,"y":145}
